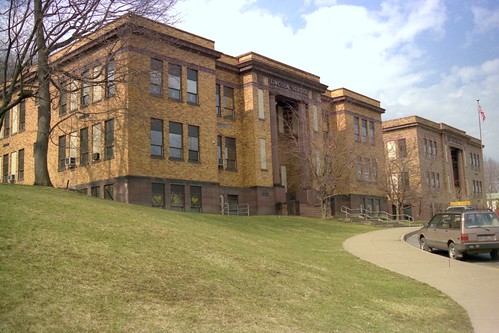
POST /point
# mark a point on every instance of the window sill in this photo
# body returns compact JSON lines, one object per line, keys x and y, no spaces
{"x":193,"y":104}
{"x":176,"y":159}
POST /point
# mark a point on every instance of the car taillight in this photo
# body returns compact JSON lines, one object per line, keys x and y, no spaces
{"x":464,"y":237}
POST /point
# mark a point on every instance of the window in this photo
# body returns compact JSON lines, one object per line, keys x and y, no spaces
{"x":5,"y":167}
{"x":228,"y":102}
{"x":405,"y":179}
{"x":230,"y":154}
{"x":84,"y":146}
{"x":261,"y":107}
{"x":175,"y":139}
{"x":193,"y":138}
{"x":95,"y":191}
{"x":73,"y":143}
{"x":110,"y":78}
{"x":157,"y":137}
{"x":359,"y":168}
{"x":217,"y":99}
{"x":233,"y":202}
{"x":364,"y":130}
{"x":156,"y":77}
{"x":98,"y":76}
{"x":356,"y":128}
{"x":263,"y":154}
{"x":177,"y":197}
{"x":402,"y":148}
{"x":195,"y":199}
{"x":390,"y":149}
{"x":367,"y":169}
{"x":371,"y":132}
{"x":15,"y":120}
{"x":63,"y":98}
{"x":109,"y":191}
{"x":109,"y":139}
{"x":85,"y":90}
{"x":192,"y":86}
{"x":20,"y":165}
{"x":73,"y":96}
{"x":219,"y":152}
{"x":174,"y":82}
{"x":13,"y":163}
{"x":375,"y":169}
{"x":6,"y":124}
{"x":22,"y":116}
{"x":96,"y":142}
{"x":158,"y":195}
{"x":62,"y":153}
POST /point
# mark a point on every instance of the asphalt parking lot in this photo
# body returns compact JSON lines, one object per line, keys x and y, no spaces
{"x":479,"y":259}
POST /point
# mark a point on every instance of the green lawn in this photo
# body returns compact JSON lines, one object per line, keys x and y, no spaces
{"x":72,"y":263}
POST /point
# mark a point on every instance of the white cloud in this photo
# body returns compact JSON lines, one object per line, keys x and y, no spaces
{"x":485,"y":20}
{"x":377,"y":53}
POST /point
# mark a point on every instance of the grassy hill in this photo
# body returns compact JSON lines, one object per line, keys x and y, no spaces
{"x":72,"y":263}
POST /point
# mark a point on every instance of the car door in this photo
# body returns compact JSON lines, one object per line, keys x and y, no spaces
{"x":442,"y":231}
{"x":431,"y":230}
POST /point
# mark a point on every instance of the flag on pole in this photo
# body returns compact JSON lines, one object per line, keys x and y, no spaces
{"x":480,"y":110}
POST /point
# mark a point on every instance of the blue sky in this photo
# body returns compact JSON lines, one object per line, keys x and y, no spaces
{"x":432,"y":58}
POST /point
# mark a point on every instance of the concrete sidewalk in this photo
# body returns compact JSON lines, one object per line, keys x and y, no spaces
{"x":474,"y":287}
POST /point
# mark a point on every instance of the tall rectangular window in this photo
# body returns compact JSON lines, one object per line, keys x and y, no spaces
{"x":22,"y":116}
{"x":356,"y":128}
{"x":263,"y":154}
{"x":174,"y":82}
{"x":63,"y":98}
{"x":157,"y":137}
{"x":110,"y":78}
{"x":158,"y":195}
{"x":228,"y":102}
{"x":6,"y":124}
{"x":230,"y":154}
{"x":5,"y":168}
{"x":84,"y":146}
{"x":13,"y":163}
{"x":73,"y":144}
{"x":218,"y":100}
{"x":405,"y":179}
{"x":85,"y":90}
{"x":62,"y":153}
{"x":109,"y":139}
{"x":177,"y":197}
{"x":156,"y":77}
{"x":402,"y":148}
{"x":193,"y":138}
{"x":371,"y":132}
{"x":192,"y":86}
{"x":15,"y":119}
{"x":96,"y":142}
{"x":195,"y":199}
{"x":98,"y":77}
{"x":364,"y":130}
{"x":73,"y":96}
{"x":175,"y":139}
{"x":20,"y":165}
{"x":219,"y":152}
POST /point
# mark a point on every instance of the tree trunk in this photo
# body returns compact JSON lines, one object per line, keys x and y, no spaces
{"x":42,"y":176}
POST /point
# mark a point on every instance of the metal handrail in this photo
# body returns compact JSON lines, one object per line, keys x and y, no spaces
{"x":371,"y":215}
{"x":240,"y":209}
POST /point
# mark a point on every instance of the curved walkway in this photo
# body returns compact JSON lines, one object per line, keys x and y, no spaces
{"x":474,"y":287}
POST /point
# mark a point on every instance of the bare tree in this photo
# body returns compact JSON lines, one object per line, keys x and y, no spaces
{"x":318,"y":152}
{"x":402,"y":178}
{"x":491,"y":175}
{"x":31,"y":32}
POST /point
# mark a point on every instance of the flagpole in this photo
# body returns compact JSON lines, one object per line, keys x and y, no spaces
{"x":479,"y":120}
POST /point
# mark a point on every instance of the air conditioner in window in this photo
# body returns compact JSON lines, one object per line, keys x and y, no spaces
{"x":71,"y":162}
{"x":11,"y":178}
{"x":95,"y":157}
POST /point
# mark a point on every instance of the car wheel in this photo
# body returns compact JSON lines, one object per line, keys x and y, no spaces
{"x":453,"y":252}
{"x":494,"y":254}
{"x":422,"y":244}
